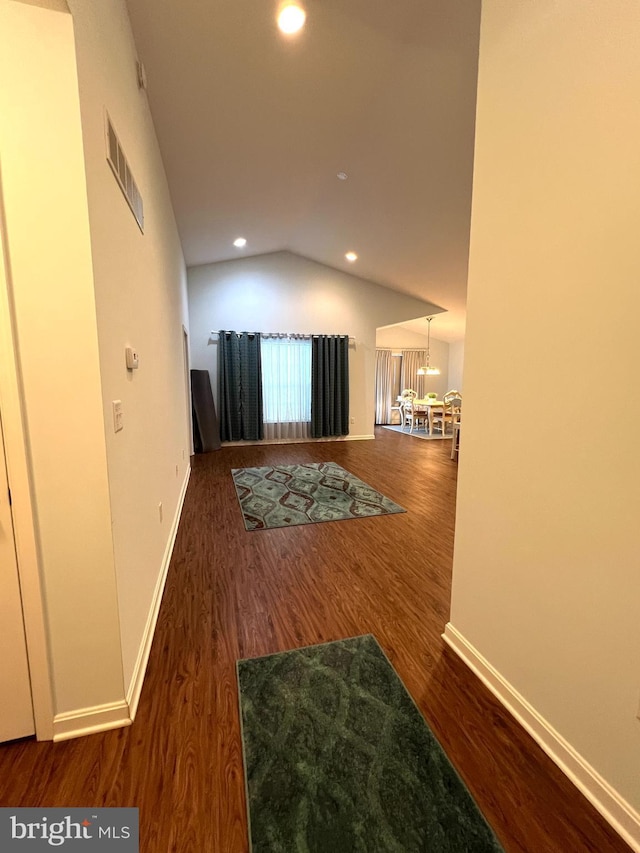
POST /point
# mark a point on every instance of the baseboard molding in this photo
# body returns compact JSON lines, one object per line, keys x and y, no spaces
{"x":140,"y":668}
{"x":87,"y":721}
{"x":270,"y":441}
{"x":615,"y":810}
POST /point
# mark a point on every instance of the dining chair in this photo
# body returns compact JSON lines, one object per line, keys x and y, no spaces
{"x":397,"y":408}
{"x":455,"y":444}
{"x":449,"y":413}
{"x":412,"y":416}
{"x":407,"y":394}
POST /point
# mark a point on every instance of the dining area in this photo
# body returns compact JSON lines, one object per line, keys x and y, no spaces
{"x":430,"y":417}
{"x":416,"y":390}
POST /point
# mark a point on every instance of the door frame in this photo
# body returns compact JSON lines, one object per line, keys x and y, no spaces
{"x":187,"y":388}
{"x":22,"y":509}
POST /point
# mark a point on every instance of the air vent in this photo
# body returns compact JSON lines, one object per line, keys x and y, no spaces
{"x":122,"y":172}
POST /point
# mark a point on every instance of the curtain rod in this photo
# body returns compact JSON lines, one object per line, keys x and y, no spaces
{"x":289,"y":335}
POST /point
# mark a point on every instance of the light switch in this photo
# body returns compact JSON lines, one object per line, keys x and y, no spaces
{"x":117,"y":415}
{"x":131,"y":358}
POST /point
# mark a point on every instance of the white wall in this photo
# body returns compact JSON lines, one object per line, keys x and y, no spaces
{"x":51,"y":287}
{"x":84,"y":282}
{"x":140,"y":286}
{"x":397,"y":338}
{"x":283,"y":292}
{"x":456,"y":365}
{"x":546,"y":585}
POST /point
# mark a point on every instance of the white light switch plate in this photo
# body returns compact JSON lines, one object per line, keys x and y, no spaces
{"x":131,"y":358}
{"x":117,"y":415}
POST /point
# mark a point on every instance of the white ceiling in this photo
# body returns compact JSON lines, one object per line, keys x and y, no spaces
{"x":253,"y":128}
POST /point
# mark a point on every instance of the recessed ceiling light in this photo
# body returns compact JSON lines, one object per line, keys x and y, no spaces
{"x":291,"y":18}
{"x":240,"y":242}
{"x":342,"y":176}
{"x":351,"y":257}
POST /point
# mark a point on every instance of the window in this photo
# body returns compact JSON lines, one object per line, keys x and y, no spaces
{"x":286,"y":386}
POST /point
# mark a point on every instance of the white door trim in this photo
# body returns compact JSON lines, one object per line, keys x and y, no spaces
{"x":187,"y":389}
{"x":24,"y":522}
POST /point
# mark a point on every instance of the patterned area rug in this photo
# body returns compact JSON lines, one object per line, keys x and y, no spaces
{"x":287,"y":495}
{"x":338,"y":759}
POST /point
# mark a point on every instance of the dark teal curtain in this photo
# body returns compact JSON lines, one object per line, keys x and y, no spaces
{"x":329,"y":385}
{"x":239,"y":386}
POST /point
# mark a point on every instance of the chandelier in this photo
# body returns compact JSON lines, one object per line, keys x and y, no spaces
{"x":428,"y":370}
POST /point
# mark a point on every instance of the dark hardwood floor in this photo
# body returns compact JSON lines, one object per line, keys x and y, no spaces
{"x":232,"y":594}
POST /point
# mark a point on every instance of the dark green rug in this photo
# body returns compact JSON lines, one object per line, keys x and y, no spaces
{"x":338,"y":759}
{"x":286,"y":495}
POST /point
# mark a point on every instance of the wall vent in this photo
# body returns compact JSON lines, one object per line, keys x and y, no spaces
{"x":122,"y":172}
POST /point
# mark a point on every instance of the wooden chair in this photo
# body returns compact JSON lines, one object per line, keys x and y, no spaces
{"x":455,"y":444}
{"x":449,"y":413}
{"x":407,"y":394}
{"x":411,"y":416}
{"x":397,"y":409}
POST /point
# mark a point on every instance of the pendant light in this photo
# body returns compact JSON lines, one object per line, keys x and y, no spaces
{"x":428,"y":370}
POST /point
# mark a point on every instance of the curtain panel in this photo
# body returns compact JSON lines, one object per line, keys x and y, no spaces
{"x":384,"y":385}
{"x":412,"y":360}
{"x":240,"y":386}
{"x":329,"y":385}
{"x":286,"y":386}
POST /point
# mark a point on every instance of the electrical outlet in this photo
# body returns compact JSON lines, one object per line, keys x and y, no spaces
{"x":116,"y":405}
{"x":160,"y":511}
{"x":352,"y":420}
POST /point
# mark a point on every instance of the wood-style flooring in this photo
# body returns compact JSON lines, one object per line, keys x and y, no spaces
{"x":232,"y":594}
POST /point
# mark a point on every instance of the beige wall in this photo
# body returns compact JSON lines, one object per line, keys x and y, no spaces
{"x":84,"y":283}
{"x":456,"y":365}
{"x":140,"y":286}
{"x":546,"y":585}
{"x":51,"y":287}
{"x":288,"y":293}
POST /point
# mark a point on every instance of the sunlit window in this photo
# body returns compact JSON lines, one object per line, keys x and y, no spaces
{"x":286,"y":384}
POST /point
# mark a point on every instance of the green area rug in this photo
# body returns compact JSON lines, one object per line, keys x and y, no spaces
{"x":286,"y":495}
{"x":338,"y":759}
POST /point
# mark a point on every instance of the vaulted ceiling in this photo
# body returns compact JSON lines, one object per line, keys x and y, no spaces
{"x":254,"y":128}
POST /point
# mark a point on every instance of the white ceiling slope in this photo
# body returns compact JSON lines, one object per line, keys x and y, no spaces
{"x":253,"y":128}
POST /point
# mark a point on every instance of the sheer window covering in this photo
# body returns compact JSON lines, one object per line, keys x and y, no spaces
{"x":286,"y":386}
{"x":412,"y":360}
{"x":384,"y":386}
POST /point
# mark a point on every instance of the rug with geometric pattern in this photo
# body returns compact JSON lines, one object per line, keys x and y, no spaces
{"x":338,"y":759}
{"x":287,"y":495}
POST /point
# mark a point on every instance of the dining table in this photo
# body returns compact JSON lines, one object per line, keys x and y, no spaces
{"x":426,"y":404}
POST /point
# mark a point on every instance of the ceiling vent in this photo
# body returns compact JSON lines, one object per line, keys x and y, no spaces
{"x":122,"y":172}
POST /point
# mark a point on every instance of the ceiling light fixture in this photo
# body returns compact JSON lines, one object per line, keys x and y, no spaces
{"x":427,"y":370}
{"x":240,"y":242}
{"x":351,"y":257}
{"x":291,"y":18}
{"x":342,"y":176}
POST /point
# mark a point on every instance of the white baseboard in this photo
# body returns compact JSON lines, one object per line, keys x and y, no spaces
{"x":87,"y":721}
{"x":263,"y":441}
{"x":615,"y":810}
{"x":140,"y":668}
